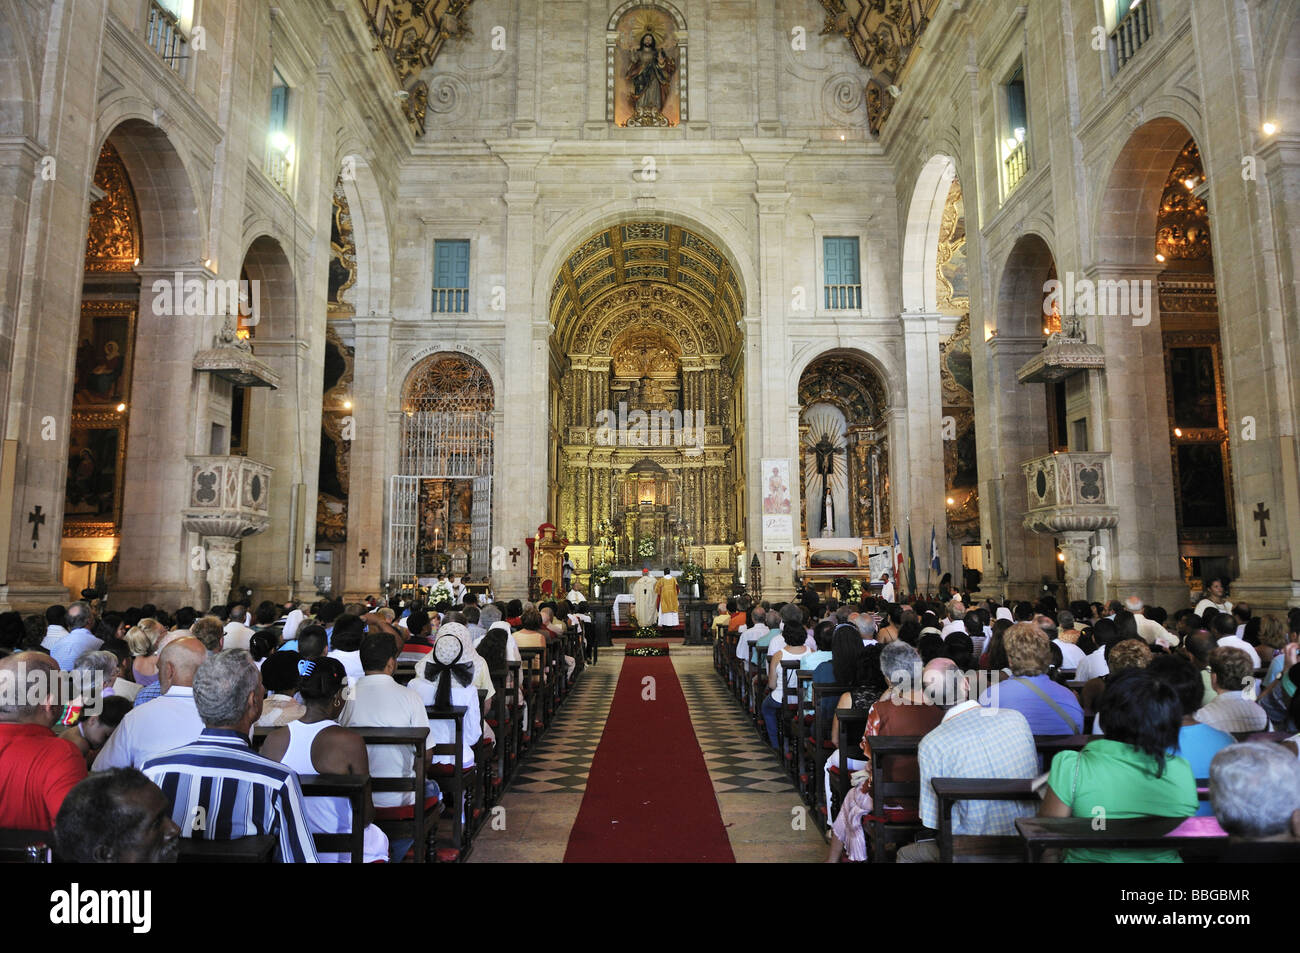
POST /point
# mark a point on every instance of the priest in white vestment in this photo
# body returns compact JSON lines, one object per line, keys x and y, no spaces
{"x":643,"y":592}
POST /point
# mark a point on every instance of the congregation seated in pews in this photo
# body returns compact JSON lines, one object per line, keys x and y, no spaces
{"x":957,"y":732}
{"x":338,"y":733}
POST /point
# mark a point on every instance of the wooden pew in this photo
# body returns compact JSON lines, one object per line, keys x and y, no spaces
{"x":354,"y":787}
{"x":951,"y":790}
{"x":804,"y":717}
{"x":1051,"y":745}
{"x":788,"y":696}
{"x":455,"y":780}
{"x":533,"y":673}
{"x":18,"y":846}
{"x":823,"y":744}
{"x":852,"y":723}
{"x":421,"y":822}
{"x":882,"y":747}
{"x":257,"y":849}
{"x":1043,"y":833}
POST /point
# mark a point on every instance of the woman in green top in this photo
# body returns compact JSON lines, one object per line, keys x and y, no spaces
{"x":1129,"y":772}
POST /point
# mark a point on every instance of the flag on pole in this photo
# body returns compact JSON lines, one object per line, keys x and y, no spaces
{"x":898,"y":561}
{"x":934,"y":551}
{"x":911,"y":563}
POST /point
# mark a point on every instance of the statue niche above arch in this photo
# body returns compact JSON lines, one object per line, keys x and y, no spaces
{"x":844,"y":476}
{"x":645,"y":65}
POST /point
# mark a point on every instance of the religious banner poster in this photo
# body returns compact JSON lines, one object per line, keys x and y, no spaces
{"x":880,"y":561}
{"x":778,"y":521}
{"x":646,"y":70}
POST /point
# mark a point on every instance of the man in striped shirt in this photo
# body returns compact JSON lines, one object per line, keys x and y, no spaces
{"x":218,"y":788}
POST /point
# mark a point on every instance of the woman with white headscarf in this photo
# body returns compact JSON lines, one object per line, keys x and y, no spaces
{"x":451,"y":684}
{"x":482,"y":677}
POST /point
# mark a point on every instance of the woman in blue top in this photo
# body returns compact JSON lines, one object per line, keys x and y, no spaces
{"x":1198,"y":743}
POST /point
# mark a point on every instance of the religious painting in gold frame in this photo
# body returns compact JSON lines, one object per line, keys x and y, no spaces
{"x":98,"y":429}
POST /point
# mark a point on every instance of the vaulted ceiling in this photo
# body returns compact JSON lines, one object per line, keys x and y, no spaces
{"x":646,"y":255}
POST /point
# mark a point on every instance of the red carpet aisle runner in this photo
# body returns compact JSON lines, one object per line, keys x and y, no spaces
{"x":649,"y":798}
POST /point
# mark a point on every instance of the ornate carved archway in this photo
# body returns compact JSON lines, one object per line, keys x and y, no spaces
{"x":646,"y":370}
{"x":844,"y":448}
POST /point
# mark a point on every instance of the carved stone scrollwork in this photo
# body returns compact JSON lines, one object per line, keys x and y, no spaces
{"x":221,"y":555}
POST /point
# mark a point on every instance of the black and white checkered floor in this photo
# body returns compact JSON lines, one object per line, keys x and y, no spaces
{"x":563,"y":758}
{"x":737,"y":760}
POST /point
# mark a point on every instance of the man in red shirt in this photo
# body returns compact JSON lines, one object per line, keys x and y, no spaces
{"x":37,"y":767}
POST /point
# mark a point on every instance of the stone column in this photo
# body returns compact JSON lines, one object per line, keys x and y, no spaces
{"x":521,"y":444}
{"x":154,"y":557}
{"x":923,"y":466}
{"x":1145,"y":540}
{"x":367,"y":472}
{"x":772,"y":430}
{"x":221,"y":553}
{"x":1017,"y":433}
{"x":1077,"y":549}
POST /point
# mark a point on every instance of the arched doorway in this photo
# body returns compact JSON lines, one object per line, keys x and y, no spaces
{"x":440,"y":509}
{"x":101,"y":390}
{"x":144,"y":228}
{"x":1153,"y":231}
{"x":646,"y":384}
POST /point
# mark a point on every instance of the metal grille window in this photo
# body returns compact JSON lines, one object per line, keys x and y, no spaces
{"x":446,"y":433}
{"x":451,"y":276}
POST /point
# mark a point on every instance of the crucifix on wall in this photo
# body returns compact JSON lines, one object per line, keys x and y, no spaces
{"x":1262,"y":517}
{"x":37,"y":519}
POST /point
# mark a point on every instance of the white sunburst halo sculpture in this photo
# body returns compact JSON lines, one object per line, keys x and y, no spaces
{"x":825,"y":468}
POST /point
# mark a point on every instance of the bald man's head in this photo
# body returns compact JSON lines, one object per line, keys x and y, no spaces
{"x":178,"y":662}
{"x":21,"y":672}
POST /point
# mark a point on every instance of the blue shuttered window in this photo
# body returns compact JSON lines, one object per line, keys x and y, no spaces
{"x":451,"y":276}
{"x":843,"y":279}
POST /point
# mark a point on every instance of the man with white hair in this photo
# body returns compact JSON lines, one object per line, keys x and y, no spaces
{"x":749,"y":634}
{"x":167,"y":722}
{"x":1255,"y":790}
{"x":218,"y":788}
{"x":1148,"y":629}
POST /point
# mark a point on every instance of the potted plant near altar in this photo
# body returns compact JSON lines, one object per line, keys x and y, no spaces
{"x":439,"y":592}
{"x":692,"y":575}
{"x":599,"y":578}
{"x":646,"y":549}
